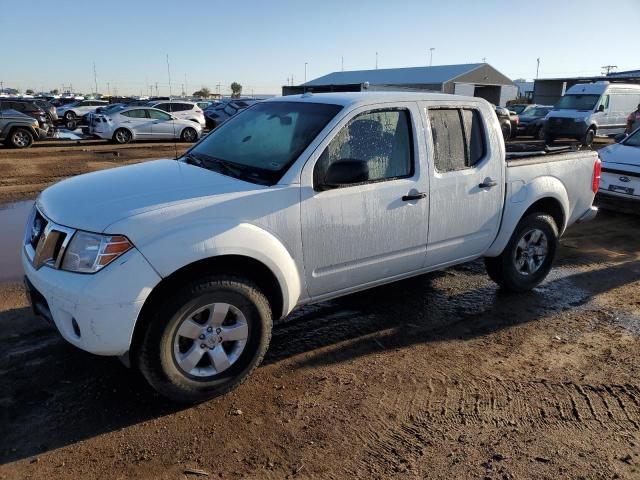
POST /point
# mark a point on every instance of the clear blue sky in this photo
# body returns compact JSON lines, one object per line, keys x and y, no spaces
{"x":261,"y":43}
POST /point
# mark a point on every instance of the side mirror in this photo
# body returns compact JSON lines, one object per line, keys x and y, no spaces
{"x":601,"y":108}
{"x":346,"y":172}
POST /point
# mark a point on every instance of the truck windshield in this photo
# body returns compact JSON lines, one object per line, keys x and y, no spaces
{"x":260,"y":143}
{"x":577,"y":102}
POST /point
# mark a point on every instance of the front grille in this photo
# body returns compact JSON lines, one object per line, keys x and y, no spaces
{"x":45,"y":241}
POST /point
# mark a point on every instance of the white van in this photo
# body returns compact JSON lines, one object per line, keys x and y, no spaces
{"x":592,"y":109}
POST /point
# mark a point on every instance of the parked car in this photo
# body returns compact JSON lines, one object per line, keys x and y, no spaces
{"x":621,"y":168}
{"x":49,"y":110}
{"x":531,"y":121}
{"x":74,"y":111}
{"x":19,"y":130}
{"x":28,"y":107}
{"x":181,"y":109}
{"x":138,"y":123}
{"x":520,"y":108}
{"x":225,"y":111}
{"x":588,"y":110}
{"x":508,"y":123}
{"x":62,"y":101}
{"x":184,"y":265}
{"x":106,"y":110}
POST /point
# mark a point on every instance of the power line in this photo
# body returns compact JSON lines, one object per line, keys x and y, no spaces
{"x":606,"y":69}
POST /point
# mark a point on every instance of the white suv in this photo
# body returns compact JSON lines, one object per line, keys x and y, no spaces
{"x":73,"y":111}
{"x":181,"y":109}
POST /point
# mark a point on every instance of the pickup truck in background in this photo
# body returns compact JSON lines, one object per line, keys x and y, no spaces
{"x":182,"y":266}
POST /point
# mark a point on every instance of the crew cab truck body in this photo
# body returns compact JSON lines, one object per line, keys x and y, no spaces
{"x":182,"y":265}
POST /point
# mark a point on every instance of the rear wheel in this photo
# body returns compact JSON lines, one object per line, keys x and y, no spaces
{"x":527,"y":259}
{"x":70,"y":116}
{"x":21,"y":138}
{"x":506,"y":131}
{"x":189,"y":135}
{"x":206,"y":338}
{"x":122,"y":136}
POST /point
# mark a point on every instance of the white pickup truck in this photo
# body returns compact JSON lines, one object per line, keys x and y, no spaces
{"x":181,"y":266}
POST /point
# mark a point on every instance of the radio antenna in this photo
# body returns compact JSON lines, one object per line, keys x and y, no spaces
{"x":175,"y":143}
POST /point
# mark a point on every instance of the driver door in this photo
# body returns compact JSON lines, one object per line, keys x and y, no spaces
{"x":163,"y":125}
{"x":360,"y":233}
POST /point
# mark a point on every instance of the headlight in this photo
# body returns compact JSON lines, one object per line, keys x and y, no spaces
{"x":90,"y":252}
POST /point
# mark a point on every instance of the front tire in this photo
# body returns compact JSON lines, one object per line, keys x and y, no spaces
{"x":205,"y":339}
{"x":21,"y":138}
{"x":527,"y":259}
{"x":70,"y":116}
{"x":189,"y":135}
{"x":588,"y":138}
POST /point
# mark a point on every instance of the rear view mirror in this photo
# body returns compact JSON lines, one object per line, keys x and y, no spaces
{"x":346,"y":172}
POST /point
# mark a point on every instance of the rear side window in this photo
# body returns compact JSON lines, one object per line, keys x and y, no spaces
{"x":458,"y":138}
{"x":164,"y":106}
{"x":182,"y":107}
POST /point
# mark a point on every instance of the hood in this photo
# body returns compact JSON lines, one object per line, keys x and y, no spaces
{"x":620,"y":154}
{"x":96,"y":200}
{"x":569,"y":113}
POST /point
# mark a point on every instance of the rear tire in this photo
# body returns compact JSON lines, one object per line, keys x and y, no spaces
{"x":527,"y":259}
{"x":506,"y":131}
{"x":21,"y":138}
{"x":122,"y":136}
{"x":70,"y":116}
{"x":183,"y":353}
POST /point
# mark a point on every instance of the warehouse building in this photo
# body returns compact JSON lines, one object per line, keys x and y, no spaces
{"x":472,"y":79}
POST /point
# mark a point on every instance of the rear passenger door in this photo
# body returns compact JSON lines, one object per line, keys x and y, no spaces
{"x":466,"y":184}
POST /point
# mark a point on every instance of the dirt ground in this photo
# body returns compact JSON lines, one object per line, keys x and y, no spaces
{"x":442,"y":376}
{"x":25,"y":173}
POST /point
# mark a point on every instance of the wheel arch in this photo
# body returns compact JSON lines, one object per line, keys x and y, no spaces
{"x":131,"y":132}
{"x":545,"y":195}
{"x":240,"y":265}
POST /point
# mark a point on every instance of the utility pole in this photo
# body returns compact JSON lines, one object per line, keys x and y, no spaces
{"x":183,"y":94}
{"x":157,"y":90}
{"x":169,"y":75}
{"x":606,"y":69}
{"x":484,"y":59}
{"x":342,"y":64}
{"x":305,"y":72}
{"x":95,"y":78}
{"x":376,"y":60}
{"x":218,"y":88}
{"x":108,"y":89}
{"x":1,"y":86}
{"x":431,"y":56}
{"x":537,"y":67}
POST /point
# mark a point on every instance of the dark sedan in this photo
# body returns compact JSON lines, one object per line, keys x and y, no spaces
{"x":532,"y":121}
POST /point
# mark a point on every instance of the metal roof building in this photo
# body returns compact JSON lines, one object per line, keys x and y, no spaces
{"x":472,"y":79}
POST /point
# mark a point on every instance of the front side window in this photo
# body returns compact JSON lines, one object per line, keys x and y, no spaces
{"x":158,"y":115}
{"x":381,"y":139}
{"x":141,"y":113}
{"x":262,"y":142}
{"x":458,"y":138}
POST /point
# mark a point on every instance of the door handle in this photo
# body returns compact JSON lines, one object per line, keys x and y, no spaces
{"x":414,"y":196}
{"x":488,"y":183}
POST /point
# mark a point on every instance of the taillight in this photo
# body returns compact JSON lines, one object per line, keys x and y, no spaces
{"x":597,"y":170}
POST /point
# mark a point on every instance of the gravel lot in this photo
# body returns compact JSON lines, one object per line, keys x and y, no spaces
{"x":441,"y":376}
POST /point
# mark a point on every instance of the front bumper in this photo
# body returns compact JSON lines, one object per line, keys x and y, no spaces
{"x":95,"y":312}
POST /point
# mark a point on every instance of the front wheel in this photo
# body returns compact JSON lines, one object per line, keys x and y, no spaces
{"x":588,"y":138}
{"x":70,"y":116}
{"x":189,"y":135}
{"x":21,"y":138}
{"x":205,"y":339}
{"x":527,"y":259}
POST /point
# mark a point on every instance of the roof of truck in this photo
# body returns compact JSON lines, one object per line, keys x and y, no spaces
{"x":365,"y":98}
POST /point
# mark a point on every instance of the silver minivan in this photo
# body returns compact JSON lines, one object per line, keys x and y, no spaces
{"x":588,"y":110}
